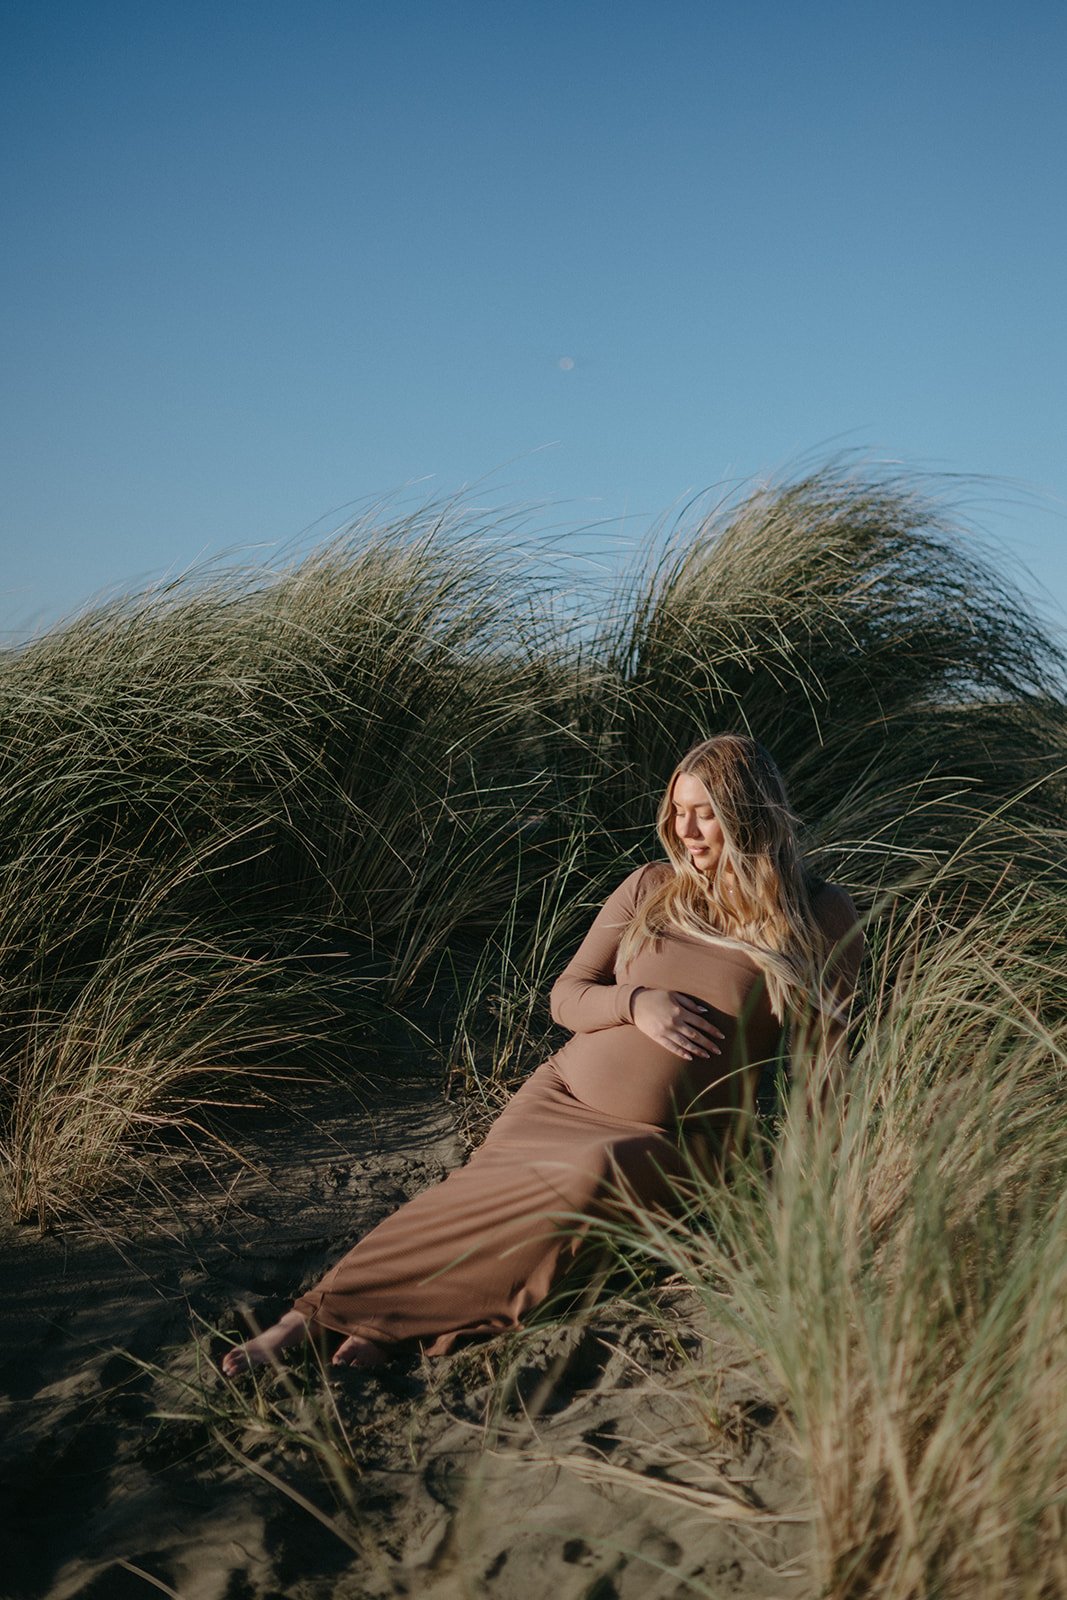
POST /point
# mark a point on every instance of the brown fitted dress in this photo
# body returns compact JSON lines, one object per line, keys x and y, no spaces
{"x":599,"y":1126}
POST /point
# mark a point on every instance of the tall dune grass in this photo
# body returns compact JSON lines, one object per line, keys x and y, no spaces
{"x":242,"y":818}
{"x":902,"y":684}
{"x":257,"y":821}
{"x":902,"y":1280}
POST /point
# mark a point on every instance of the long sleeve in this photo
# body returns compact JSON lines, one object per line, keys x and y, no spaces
{"x":841,"y":928}
{"x":840,"y":924}
{"x":585,"y":996}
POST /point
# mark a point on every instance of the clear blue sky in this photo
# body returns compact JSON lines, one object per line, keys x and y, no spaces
{"x":262,"y":260}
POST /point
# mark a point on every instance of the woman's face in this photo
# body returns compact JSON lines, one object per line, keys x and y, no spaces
{"x":695,"y":822}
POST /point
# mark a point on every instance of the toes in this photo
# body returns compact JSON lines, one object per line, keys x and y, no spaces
{"x":358,"y":1353}
{"x":241,"y":1358}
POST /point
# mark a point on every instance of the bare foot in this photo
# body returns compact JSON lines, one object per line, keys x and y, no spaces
{"x":291,"y":1329}
{"x":357,"y":1352}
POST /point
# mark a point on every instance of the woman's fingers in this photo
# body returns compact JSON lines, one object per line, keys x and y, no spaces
{"x":697,"y":1008}
{"x":699,"y":1047}
{"x":687,"y":1042}
{"x":710,"y":1044}
{"x":695,"y":1023}
{"x":678,"y":1022}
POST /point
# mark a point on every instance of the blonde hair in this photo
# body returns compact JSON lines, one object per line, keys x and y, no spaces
{"x":770,"y":914}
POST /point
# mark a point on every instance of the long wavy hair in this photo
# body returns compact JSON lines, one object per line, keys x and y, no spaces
{"x":769,"y":915}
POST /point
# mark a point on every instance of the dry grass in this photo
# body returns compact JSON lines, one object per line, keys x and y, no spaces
{"x":260,"y":821}
{"x":901,"y":1282}
{"x":251,"y":819}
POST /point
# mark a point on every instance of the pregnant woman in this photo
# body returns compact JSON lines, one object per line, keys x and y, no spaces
{"x":676,"y":998}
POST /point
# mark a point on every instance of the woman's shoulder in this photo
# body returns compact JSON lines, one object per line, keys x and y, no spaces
{"x":834,"y":908}
{"x":642,"y":881}
{"x":653,"y":875}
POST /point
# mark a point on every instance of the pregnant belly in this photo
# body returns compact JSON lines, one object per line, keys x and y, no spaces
{"x":620,"y":1071}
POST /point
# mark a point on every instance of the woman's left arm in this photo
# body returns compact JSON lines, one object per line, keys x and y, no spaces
{"x":839,"y":922}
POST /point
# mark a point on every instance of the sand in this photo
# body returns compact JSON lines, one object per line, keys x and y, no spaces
{"x":615,"y":1456}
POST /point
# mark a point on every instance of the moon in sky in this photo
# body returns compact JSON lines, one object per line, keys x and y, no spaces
{"x":566,"y":363}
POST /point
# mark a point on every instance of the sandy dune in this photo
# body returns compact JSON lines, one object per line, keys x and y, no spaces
{"x":567,"y":1462}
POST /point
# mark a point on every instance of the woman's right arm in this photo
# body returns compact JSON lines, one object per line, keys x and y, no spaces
{"x":585,"y":996}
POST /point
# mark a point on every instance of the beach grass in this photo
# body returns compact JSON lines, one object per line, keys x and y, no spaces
{"x":258,"y":822}
{"x":358,"y":812}
{"x":900,"y":1279}
{"x":896,"y":1282}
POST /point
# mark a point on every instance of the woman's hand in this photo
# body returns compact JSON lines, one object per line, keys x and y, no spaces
{"x":677,"y":1022}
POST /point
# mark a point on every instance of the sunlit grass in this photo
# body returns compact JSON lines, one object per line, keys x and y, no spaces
{"x":249,"y":815}
{"x":265,"y":823}
{"x":901,"y":1279}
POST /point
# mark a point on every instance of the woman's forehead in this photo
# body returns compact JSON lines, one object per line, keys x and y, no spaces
{"x":690,"y":790}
